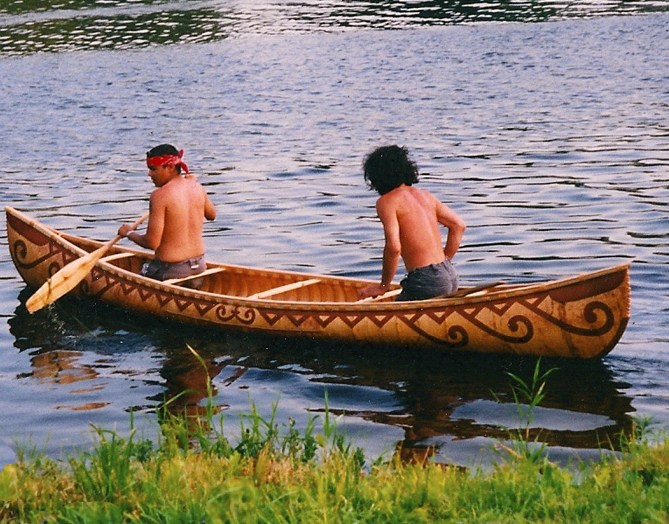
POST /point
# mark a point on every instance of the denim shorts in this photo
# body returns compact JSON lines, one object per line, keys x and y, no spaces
{"x":159,"y":270}
{"x":429,"y":281}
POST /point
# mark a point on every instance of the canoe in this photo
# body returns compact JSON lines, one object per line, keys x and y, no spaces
{"x":582,"y":316}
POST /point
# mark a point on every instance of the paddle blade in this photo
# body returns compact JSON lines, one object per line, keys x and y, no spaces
{"x":64,"y":280}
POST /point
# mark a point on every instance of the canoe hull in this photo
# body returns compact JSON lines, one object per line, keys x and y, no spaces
{"x":582,"y":316}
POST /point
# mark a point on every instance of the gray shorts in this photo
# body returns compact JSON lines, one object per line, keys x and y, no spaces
{"x":429,"y":281}
{"x":159,"y":270}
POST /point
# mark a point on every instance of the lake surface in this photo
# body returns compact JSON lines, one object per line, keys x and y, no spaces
{"x":544,"y":125}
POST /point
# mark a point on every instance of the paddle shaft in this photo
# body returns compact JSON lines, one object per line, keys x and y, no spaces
{"x":65,"y":279}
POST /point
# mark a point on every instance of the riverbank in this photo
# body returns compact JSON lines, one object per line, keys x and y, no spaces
{"x":274,"y":473}
{"x":188,"y":487}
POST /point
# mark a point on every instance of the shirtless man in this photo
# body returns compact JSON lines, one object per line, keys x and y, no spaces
{"x":177,"y":209}
{"x":411,"y":219}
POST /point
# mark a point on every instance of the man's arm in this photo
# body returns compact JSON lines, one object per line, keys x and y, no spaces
{"x":456,"y":229}
{"x":154,"y":229}
{"x":209,"y":209}
{"x":393,"y":247}
{"x":391,"y":250}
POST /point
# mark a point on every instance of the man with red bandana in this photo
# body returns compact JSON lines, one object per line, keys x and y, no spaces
{"x":177,"y":209}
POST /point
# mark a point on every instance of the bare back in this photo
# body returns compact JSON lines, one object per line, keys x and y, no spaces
{"x":178,"y":210}
{"x":411,"y":219}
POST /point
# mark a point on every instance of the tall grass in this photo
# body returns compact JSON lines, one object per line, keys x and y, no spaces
{"x":275,"y":474}
{"x":527,"y":395}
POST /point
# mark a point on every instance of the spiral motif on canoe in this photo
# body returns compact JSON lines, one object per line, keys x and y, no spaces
{"x":19,"y":252}
{"x":458,"y":337}
{"x":247,"y":317}
{"x":227,"y":313}
{"x":515,"y":324}
{"x":593,"y":312}
{"x":515,"y":335}
{"x":590,"y":315}
{"x":54,"y":268}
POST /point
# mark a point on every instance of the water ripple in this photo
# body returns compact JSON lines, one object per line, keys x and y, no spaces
{"x":75,"y":25}
{"x":548,"y":139}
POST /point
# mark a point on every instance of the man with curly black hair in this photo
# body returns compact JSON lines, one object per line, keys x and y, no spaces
{"x":411,"y":219}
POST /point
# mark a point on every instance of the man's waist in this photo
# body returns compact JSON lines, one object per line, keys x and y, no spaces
{"x":427,"y":265}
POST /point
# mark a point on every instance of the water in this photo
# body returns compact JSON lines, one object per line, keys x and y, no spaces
{"x":543,"y":125}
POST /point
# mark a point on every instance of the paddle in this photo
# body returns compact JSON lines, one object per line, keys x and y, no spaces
{"x":70,"y":275}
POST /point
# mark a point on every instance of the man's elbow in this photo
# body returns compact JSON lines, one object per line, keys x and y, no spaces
{"x":460,"y":227}
{"x":392,"y":249}
{"x":149,"y":242}
{"x":210,"y":211}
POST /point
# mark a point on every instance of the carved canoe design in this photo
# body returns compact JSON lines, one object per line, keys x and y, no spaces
{"x":582,"y":316}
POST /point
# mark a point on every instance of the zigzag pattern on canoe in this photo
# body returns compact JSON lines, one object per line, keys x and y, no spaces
{"x":457,"y":335}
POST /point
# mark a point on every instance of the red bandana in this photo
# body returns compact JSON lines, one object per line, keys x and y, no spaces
{"x":175,"y":160}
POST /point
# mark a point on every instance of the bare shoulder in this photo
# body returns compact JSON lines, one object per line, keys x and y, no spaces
{"x":193,"y":183}
{"x":158,"y":195}
{"x":422,"y":197}
{"x":423,"y":193}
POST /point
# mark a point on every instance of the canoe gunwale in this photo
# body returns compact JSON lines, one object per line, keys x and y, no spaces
{"x":510,"y":291}
{"x":501,"y":292}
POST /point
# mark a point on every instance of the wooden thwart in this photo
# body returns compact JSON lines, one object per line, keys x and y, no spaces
{"x":206,"y":272}
{"x":116,"y":256}
{"x":283,"y":289}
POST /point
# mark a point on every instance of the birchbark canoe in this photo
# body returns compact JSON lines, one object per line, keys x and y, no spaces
{"x":583,"y":316}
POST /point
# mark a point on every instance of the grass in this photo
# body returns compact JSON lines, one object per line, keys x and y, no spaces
{"x":526,"y":396}
{"x":275,"y":474}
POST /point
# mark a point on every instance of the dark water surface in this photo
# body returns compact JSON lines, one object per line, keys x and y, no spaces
{"x":544,"y":124}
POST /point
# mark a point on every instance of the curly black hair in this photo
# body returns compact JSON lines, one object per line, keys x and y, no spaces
{"x":388,"y":167}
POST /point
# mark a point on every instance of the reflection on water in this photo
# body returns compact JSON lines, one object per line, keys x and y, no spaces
{"x":437,"y":400}
{"x":59,"y":367}
{"x":29,"y":26}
